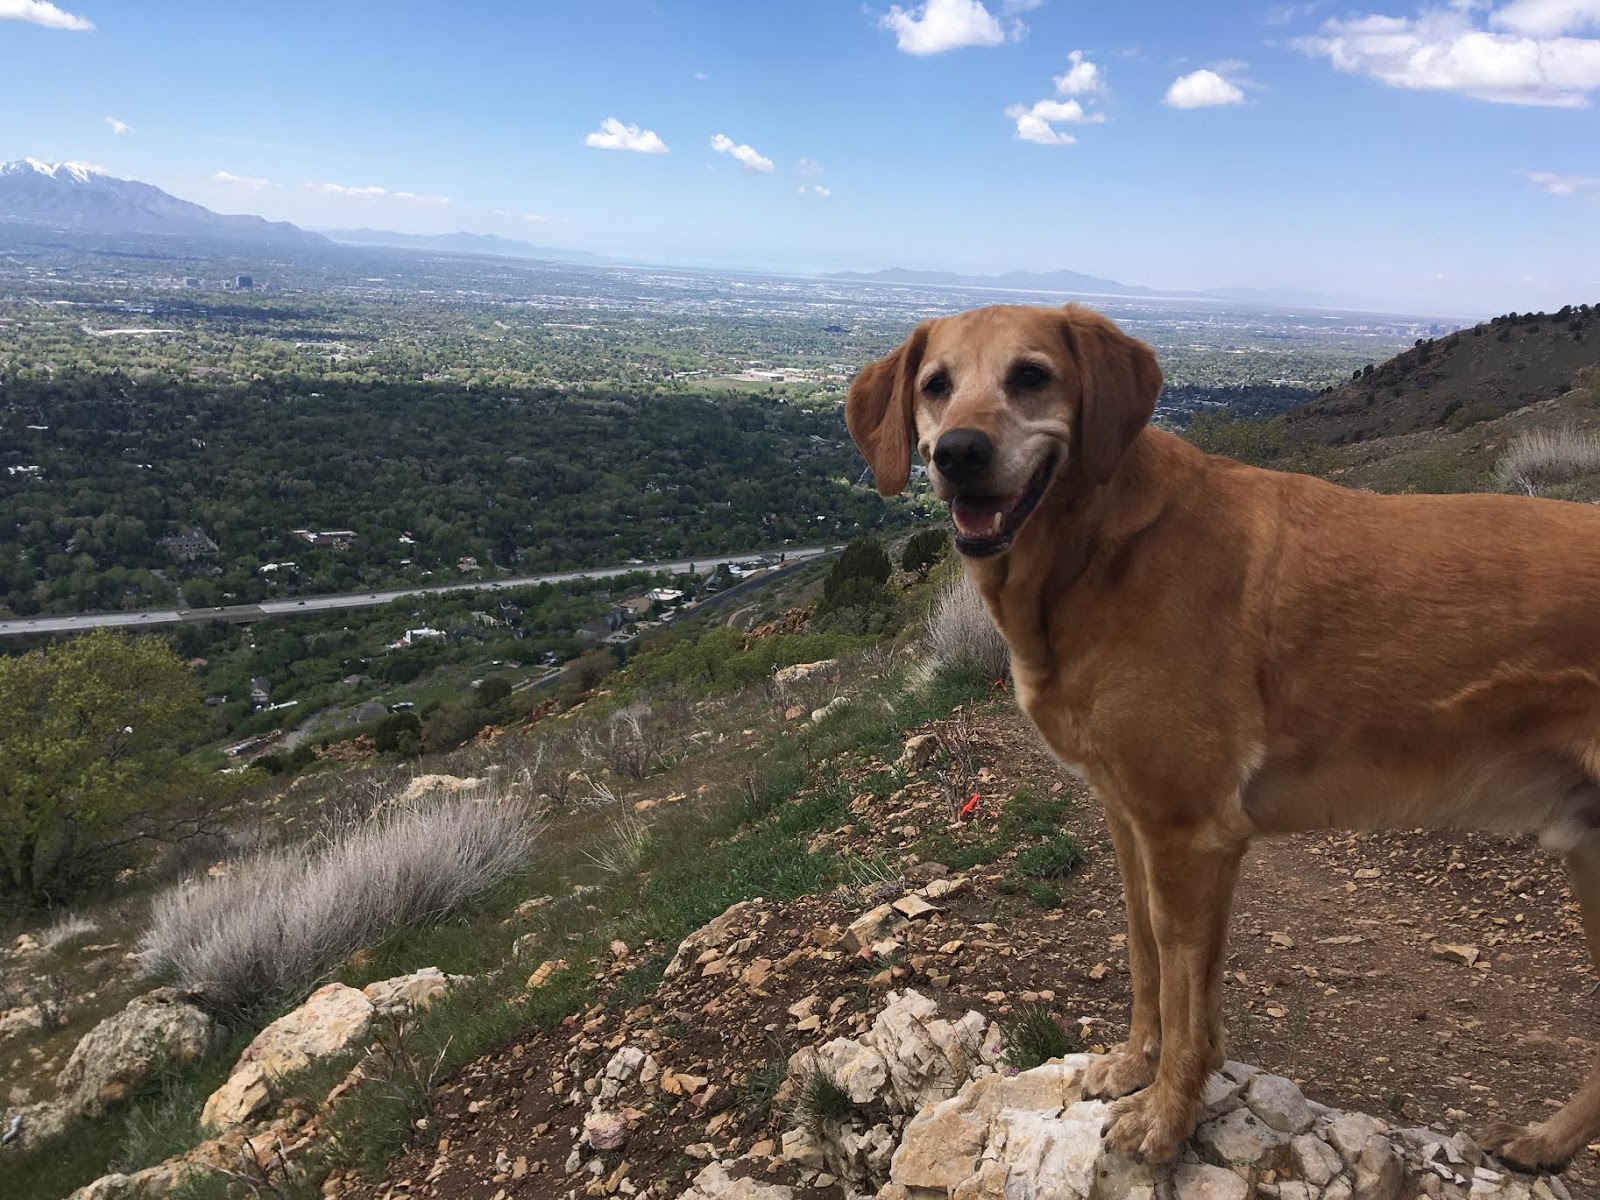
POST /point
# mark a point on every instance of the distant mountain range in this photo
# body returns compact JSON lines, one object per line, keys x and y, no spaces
{"x":461,"y":243}
{"x":1075,"y":283}
{"x":80,"y":198}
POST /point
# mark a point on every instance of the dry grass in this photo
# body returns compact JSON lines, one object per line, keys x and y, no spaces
{"x":961,"y":637}
{"x":1542,"y":458}
{"x":66,"y":928}
{"x":276,"y":923}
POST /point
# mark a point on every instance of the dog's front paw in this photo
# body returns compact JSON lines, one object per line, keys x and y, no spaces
{"x":1123,"y":1069}
{"x":1526,"y":1148}
{"x":1151,"y":1126}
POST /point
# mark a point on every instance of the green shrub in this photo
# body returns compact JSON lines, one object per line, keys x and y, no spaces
{"x":492,"y":691}
{"x":399,"y":733}
{"x":1032,"y":1037}
{"x":862,"y":568}
{"x":451,"y":725}
{"x":923,"y":550}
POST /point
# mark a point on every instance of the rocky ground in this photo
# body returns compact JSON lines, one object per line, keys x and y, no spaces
{"x":1427,"y":980}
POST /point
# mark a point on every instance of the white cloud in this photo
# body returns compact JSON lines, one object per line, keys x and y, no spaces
{"x":349,"y":192}
{"x":354,"y":193}
{"x":1556,"y":184}
{"x":1547,"y":18}
{"x":701,"y":76}
{"x":536,"y":217}
{"x":815,"y":189}
{"x":1037,"y":123}
{"x":809,"y":166}
{"x":614,"y":135}
{"x":1536,"y":61}
{"x":1083,"y":78}
{"x":940,"y":25}
{"x":40,"y":12}
{"x":748,"y":157}
{"x":119,"y":127}
{"x":253,"y":182}
{"x":1202,"y":89}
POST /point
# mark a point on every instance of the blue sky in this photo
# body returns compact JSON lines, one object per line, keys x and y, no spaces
{"x":1445,"y":156}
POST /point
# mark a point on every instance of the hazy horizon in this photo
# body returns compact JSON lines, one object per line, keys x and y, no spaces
{"x":1402,"y":157}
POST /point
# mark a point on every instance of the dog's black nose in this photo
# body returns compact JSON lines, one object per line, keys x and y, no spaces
{"x":963,"y":455}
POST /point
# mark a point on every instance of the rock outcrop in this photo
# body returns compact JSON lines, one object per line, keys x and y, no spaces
{"x":118,"y":1054}
{"x":937,"y":1115}
{"x":166,"y":1023}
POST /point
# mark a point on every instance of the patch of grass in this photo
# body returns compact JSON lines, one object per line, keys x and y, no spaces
{"x":819,"y":1099}
{"x":759,"y":1087}
{"x":1031,"y":814}
{"x":1031,"y":1038}
{"x":1042,"y":895}
{"x":1055,"y":858}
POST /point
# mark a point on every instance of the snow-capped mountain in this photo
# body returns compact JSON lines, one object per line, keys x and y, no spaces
{"x":81,"y":197}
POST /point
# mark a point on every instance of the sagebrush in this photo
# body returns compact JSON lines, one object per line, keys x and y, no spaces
{"x":1540,"y":458}
{"x":278,"y":922}
{"x":961,"y":637}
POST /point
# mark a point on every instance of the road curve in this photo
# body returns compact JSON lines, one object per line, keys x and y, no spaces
{"x":154,"y":617}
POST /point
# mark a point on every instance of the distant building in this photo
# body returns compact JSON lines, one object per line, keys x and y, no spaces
{"x":638,"y":608}
{"x":191,"y":281}
{"x":412,"y":636}
{"x":602,"y":628}
{"x":260,"y":690}
{"x":664,"y":595}
{"x":245,"y":283}
{"x":327,"y":539}
{"x":372,"y":710}
{"x":467,"y":564}
{"x":189,"y":546}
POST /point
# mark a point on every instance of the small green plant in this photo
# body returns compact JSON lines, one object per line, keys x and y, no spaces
{"x":1055,"y":858}
{"x":1042,"y":895}
{"x":760,"y":1086}
{"x":819,"y":1099}
{"x":1031,"y":1036}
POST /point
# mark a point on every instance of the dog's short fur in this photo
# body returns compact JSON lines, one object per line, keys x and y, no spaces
{"x":1224,"y":652}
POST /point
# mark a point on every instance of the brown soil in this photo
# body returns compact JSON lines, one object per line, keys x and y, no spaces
{"x":1332,"y":979}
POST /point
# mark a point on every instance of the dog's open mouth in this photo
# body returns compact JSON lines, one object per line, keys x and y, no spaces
{"x":985,"y":525}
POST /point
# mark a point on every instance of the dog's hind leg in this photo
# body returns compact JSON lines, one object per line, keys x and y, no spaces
{"x":1550,"y":1145}
{"x":1132,"y":1065}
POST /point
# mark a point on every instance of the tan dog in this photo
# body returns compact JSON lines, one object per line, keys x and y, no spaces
{"x":1223,"y":652}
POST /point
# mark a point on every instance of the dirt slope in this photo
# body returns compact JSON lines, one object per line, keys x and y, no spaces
{"x":1334,"y":977}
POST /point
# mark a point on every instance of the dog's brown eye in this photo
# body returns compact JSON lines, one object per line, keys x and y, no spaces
{"x":936,"y":385}
{"x":1028,"y":377}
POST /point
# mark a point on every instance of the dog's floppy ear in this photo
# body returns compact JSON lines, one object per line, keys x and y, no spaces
{"x":1121,"y":383}
{"x":879,"y":412}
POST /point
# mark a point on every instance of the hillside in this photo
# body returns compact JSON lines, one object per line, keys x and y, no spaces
{"x":1469,"y":376}
{"x":562,"y":1047}
{"x":84,"y":199}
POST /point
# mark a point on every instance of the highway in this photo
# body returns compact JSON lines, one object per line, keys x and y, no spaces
{"x":152,"y":618}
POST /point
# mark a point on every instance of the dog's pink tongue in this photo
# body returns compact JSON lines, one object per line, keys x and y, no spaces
{"x":976,"y":516}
